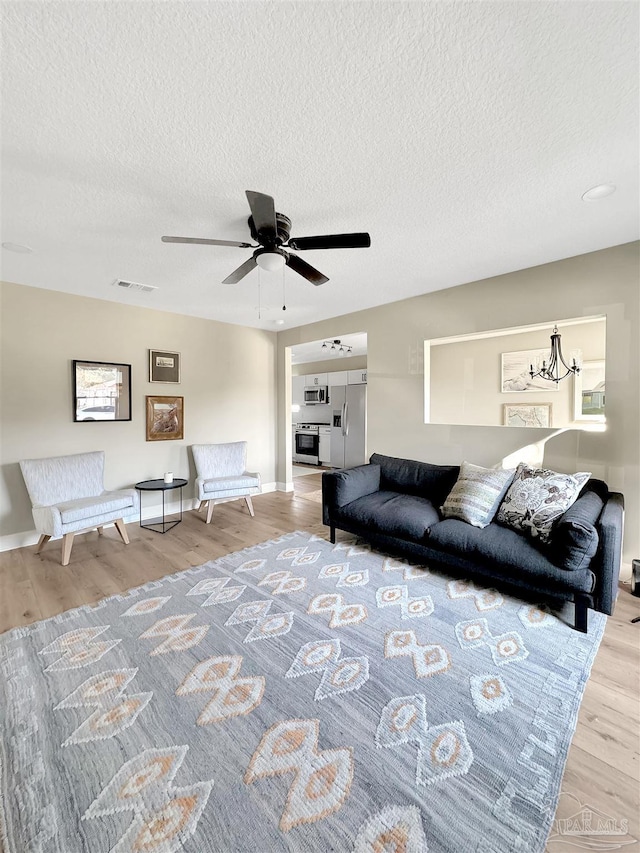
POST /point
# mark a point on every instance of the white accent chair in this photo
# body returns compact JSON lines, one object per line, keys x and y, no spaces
{"x":222,"y":475}
{"x":68,"y":496}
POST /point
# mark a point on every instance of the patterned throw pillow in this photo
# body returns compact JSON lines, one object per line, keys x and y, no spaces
{"x":476,"y":494}
{"x":537,"y":498}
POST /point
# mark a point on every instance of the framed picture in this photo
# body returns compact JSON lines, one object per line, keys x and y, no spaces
{"x":101,"y":391}
{"x":164,"y":366}
{"x":165,"y":418}
{"x":516,"y":371}
{"x":588,"y":392}
{"x":527,"y":414}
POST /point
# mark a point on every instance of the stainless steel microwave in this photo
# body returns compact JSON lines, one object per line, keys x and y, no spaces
{"x":316,"y":394}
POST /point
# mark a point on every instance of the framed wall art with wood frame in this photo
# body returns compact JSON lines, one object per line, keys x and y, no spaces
{"x":164,"y":366}
{"x":527,"y":414}
{"x":165,"y":418}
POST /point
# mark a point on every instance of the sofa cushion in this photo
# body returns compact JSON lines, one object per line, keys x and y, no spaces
{"x":476,"y":494}
{"x":505,"y":551}
{"x":392,"y":514}
{"x":597,"y":486}
{"x":345,"y":486}
{"x":574,"y":540}
{"x":537,"y":498}
{"x":416,"y":478}
{"x":231,"y":484}
{"x":87,"y":508}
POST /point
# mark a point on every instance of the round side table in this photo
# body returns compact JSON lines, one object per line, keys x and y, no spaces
{"x":161,"y":525}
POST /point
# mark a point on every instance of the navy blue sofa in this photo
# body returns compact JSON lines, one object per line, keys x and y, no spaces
{"x":393,"y":504}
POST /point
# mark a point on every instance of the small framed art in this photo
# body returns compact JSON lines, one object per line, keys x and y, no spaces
{"x":527,"y":414}
{"x":165,"y":418}
{"x":164,"y":366}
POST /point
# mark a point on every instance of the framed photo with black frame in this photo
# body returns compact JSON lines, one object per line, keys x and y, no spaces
{"x":164,"y":366}
{"x":101,"y":391}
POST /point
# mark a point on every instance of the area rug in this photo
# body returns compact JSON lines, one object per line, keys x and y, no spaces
{"x":315,"y":496}
{"x":296,"y":696}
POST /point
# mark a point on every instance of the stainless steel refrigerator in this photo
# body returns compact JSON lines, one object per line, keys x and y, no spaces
{"x":348,"y":425}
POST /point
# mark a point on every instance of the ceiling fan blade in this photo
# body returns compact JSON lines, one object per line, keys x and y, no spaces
{"x":361,"y":240}
{"x":243,"y":269}
{"x":207,"y":242}
{"x":264,"y":213}
{"x":306,"y":270}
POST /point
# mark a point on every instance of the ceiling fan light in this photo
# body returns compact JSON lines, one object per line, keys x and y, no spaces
{"x":270,"y":261}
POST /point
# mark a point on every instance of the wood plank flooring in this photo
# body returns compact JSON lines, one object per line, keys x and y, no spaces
{"x":604,"y":760}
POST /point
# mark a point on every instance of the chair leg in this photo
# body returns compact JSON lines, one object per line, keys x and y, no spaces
{"x":250,"y":506}
{"x":67,"y":545}
{"x":210,"y":511}
{"x":121,"y":527}
{"x":42,"y":541}
{"x":100,"y":531}
{"x":199,"y":507}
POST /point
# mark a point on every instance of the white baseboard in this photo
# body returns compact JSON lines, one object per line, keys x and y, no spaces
{"x":18,"y":540}
{"x":30,"y":537}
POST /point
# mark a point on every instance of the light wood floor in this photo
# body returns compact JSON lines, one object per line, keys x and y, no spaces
{"x":603,"y":767}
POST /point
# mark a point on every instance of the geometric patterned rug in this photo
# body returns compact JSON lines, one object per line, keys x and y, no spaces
{"x":295,"y":696}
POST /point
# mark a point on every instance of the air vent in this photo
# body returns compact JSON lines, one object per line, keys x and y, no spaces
{"x":134,"y":285}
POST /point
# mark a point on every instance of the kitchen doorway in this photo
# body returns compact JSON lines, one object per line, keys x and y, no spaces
{"x":328,"y":411}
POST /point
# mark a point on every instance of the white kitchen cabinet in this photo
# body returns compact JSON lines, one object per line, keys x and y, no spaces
{"x":297,"y":390}
{"x":324,"y":452}
{"x":315,"y":379}
{"x":357,"y":377}
{"x":338,"y":377}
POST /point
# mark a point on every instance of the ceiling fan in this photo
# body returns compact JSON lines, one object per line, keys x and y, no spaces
{"x":271,"y":231}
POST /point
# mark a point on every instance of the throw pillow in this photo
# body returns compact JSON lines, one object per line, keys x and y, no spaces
{"x":476,"y":494}
{"x":537,"y":498}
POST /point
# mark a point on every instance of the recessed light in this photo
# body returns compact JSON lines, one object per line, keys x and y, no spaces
{"x":279,"y":322}
{"x":18,"y":247}
{"x":601,"y":191}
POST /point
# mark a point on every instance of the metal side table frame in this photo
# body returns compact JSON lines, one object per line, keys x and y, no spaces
{"x":161,"y":525}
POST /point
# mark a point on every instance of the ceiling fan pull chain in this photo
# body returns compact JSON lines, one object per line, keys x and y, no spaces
{"x":284,"y":296}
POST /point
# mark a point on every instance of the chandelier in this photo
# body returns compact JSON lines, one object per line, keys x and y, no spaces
{"x":551,"y":371}
{"x":342,"y":349}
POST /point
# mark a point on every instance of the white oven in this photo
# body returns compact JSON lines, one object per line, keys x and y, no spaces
{"x":307,"y":444}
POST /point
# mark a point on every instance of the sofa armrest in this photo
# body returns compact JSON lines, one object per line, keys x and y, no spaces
{"x":341,"y":487}
{"x":606,"y":565}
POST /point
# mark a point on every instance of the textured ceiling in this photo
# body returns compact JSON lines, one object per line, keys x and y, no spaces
{"x":460,"y":135}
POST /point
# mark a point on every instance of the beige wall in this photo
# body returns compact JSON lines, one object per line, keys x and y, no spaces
{"x":599,"y":283}
{"x":228,"y":384}
{"x":465,"y":380}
